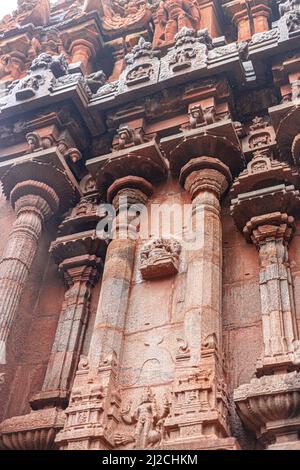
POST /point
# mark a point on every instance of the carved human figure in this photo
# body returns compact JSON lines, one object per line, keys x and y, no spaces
{"x":147,"y":420}
{"x":172,"y":16}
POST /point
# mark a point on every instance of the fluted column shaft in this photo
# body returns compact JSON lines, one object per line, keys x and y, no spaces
{"x":271,"y":233}
{"x":109,"y":325}
{"x":71,"y":326}
{"x":206,"y":183}
{"x":31,"y":211}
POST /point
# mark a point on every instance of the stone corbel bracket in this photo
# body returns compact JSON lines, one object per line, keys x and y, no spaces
{"x":286,"y":120}
{"x":40,"y":87}
{"x":144,"y":161}
{"x":47,"y":166}
{"x":218,"y":140}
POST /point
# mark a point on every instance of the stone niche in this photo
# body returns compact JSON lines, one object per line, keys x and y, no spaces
{"x":160,"y":258}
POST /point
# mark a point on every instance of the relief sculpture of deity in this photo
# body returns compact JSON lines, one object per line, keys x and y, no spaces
{"x":148,"y":421}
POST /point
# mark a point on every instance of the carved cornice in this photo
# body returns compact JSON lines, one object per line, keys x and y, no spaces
{"x":86,"y":248}
{"x":262,"y":172}
{"x":286,"y":118}
{"x":47,"y":167}
{"x":266,"y":186}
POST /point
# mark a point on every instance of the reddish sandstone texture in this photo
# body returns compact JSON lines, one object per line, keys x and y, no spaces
{"x":143,"y":340}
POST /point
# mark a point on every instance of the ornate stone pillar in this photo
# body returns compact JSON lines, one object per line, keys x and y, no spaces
{"x":206,"y":179}
{"x":199,"y":412}
{"x":96,"y":378}
{"x":270,"y":404}
{"x":80,"y":260}
{"x":34,"y":202}
{"x":110,"y":318}
{"x":80,"y":276}
{"x":271,"y":234}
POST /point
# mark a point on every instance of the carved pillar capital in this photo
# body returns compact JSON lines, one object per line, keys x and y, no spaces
{"x":270,"y":227}
{"x":126,"y":194}
{"x":134,"y":188}
{"x":205,"y":175}
{"x":32,"y":195}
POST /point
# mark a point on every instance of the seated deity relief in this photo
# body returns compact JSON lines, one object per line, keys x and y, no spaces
{"x":160,"y":258}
